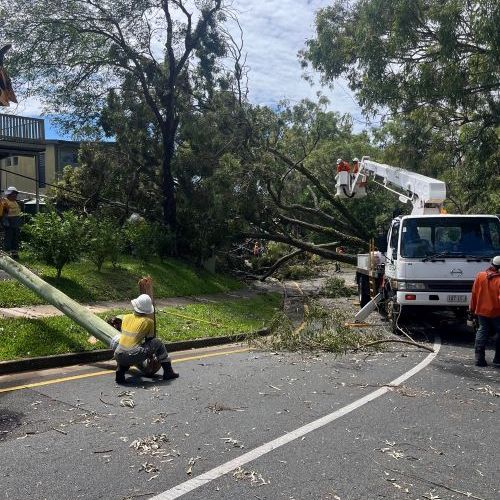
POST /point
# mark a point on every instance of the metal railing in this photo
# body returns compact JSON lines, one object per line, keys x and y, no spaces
{"x":21,"y":129}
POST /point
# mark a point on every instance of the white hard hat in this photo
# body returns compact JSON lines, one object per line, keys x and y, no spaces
{"x":496,"y":261}
{"x":11,"y":190}
{"x":135,"y":218}
{"x":143,"y":304}
{"x":339,"y":161}
{"x":356,"y":160}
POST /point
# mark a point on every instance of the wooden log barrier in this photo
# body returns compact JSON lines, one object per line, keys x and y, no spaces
{"x":78,"y":313}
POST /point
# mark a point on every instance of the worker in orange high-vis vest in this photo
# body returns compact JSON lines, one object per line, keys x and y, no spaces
{"x":355,"y":166}
{"x":11,"y":217}
{"x":485,"y":304}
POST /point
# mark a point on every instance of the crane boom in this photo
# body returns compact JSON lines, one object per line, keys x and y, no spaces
{"x":425,"y":193}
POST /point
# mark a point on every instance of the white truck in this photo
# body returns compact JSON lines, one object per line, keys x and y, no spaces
{"x":430,"y":258}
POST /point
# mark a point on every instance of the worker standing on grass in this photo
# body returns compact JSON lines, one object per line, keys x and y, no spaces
{"x":485,"y":304}
{"x":11,"y":217}
{"x":137,"y":341}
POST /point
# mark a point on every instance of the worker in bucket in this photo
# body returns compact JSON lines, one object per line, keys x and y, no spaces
{"x":138,"y":342}
{"x":11,"y":217}
{"x":485,"y":304}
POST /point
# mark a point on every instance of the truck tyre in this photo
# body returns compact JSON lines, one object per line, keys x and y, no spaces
{"x":363,"y":290}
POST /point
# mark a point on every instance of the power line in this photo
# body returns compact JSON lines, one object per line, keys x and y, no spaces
{"x":105,"y":200}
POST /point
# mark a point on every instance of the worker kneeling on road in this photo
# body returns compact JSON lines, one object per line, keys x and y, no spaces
{"x":137,"y":341}
{"x":485,"y":304}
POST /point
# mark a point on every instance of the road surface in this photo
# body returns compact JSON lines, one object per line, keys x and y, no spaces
{"x":71,"y":433}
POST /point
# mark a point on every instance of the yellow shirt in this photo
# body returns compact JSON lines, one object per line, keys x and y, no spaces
{"x":134,"y":330}
{"x":11,"y":207}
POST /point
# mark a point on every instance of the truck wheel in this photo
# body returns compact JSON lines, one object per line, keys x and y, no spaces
{"x":363,"y":291}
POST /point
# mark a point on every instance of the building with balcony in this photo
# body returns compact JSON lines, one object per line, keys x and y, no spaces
{"x":21,"y":139}
{"x":20,"y":171}
{"x":29,"y":161}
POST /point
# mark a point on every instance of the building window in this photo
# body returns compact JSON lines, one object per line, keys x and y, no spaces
{"x":12,"y":161}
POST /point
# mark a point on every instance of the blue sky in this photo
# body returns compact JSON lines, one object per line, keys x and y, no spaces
{"x":274,"y":31}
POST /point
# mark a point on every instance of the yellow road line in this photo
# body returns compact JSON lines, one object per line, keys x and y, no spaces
{"x":108,"y":372}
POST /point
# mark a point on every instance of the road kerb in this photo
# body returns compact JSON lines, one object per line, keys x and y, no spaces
{"x":75,"y":358}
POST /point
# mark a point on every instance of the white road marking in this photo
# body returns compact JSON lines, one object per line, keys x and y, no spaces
{"x":221,"y":470}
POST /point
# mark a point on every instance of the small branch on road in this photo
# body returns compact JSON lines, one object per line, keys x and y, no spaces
{"x":105,"y":402}
{"x":439,"y":485}
{"x":397,"y":341}
{"x":60,"y":431}
{"x":139,"y":495}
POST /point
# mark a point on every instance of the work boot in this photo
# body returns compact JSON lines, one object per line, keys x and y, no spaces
{"x":480,"y":357}
{"x":496,"y":359}
{"x":168,"y":372}
{"x":120,"y":374}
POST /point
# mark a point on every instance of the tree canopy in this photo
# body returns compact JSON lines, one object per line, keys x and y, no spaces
{"x":407,"y":54}
{"x":73,"y":53}
{"x":433,"y":68}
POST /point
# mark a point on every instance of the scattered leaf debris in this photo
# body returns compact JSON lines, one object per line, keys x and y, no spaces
{"x":254,"y":477}
{"x":217,"y":408}
{"x":149,"y":444}
{"x":127,"y":402}
{"x":234,"y":442}
{"x":148,"y":468}
{"x":487,"y":389}
{"x":191,"y":463}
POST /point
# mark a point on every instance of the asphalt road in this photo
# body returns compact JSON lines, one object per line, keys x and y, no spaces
{"x":434,"y":437}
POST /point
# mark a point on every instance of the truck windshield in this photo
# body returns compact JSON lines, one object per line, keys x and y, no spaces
{"x":450,"y":237}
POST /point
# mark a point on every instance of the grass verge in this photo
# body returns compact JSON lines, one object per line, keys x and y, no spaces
{"x":82,"y":282}
{"x":24,"y":338}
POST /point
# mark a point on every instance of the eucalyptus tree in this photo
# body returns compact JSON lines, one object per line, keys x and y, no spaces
{"x":405,"y":55}
{"x":73,"y":53}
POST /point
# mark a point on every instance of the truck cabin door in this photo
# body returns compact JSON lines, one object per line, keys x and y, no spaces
{"x":393,"y":240}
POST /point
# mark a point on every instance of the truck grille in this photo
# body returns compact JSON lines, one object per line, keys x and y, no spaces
{"x":449,"y":286}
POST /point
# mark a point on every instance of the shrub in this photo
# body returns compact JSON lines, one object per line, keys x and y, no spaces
{"x":146,"y":240}
{"x":56,"y":239}
{"x":104,"y":240}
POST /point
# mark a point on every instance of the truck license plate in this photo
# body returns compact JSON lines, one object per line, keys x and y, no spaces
{"x":457,"y":298}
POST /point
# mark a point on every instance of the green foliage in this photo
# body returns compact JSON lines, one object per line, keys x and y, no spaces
{"x":405,"y":55}
{"x":297,"y":271}
{"x":104,"y":241}
{"x":434,"y":66}
{"x":146,"y":240}
{"x":323,"y":330}
{"x":56,"y":239}
{"x":335,"y":287}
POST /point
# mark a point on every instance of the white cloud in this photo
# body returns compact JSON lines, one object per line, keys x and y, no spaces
{"x":274,"y":31}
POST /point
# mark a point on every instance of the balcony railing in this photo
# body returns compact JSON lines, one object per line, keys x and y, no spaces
{"x":21,"y":129}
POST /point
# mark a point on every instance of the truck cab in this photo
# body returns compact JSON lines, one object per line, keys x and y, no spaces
{"x":432,"y":260}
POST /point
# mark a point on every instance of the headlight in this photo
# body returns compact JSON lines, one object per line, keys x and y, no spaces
{"x":411,"y":285}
